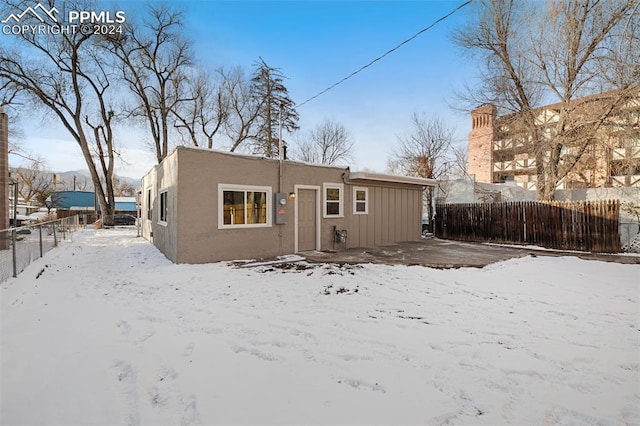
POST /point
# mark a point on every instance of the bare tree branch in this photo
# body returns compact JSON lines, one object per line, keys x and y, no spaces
{"x":242,"y":122}
{"x":328,"y":143}
{"x":155,"y":63}
{"x":426,"y":152}
{"x":63,"y":74}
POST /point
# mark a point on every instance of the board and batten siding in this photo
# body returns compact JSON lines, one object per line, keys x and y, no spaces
{"x":394,"y":216}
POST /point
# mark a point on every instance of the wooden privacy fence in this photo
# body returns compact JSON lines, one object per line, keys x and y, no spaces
{"x":584,"y":226}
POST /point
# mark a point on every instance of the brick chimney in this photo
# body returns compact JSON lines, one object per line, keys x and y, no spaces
{"x":480,"y":143}
{"x":4,"y":170}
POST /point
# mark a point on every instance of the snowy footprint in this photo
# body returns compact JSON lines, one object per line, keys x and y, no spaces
{"x":171,"y":406}
{"x":125,"y":383}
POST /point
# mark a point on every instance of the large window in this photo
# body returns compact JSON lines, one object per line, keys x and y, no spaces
{"x":244,"y":206}
{"x":333,"y":197}
{"x":164,"y":209}
{"x":360,"y":200}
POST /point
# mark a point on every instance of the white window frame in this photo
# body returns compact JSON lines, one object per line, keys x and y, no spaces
{"x":149,"y":204}
{"x":246,"y":188}
{"x":366,"y":199}
{"x":340,"y":188}
{"x":163,"y":213}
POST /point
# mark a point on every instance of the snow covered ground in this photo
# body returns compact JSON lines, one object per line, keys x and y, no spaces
{"x":105,"y":330}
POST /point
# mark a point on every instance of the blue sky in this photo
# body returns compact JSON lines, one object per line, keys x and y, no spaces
{"x":315,"y":44}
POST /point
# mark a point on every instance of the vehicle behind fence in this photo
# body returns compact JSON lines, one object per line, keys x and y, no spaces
{"x":21,"y":246}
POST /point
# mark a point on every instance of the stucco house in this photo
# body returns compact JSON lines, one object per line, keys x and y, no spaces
{"x":200,"y":206}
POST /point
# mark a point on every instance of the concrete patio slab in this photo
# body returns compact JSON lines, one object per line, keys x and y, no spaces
{"x":437,"y":253}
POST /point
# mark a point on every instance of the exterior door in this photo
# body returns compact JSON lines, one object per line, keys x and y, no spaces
{"x":306,"y":219}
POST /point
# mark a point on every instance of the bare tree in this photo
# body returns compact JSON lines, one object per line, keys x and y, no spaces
{"x":426,"y":152}
{"x":244,"y":110}
{"x":533,"y":53}
{"x":35,"y":182}
{"x":122,"y":188}
{"x":9,"y":101}
{"x":207,"y":111}
{"x":68,"y":76}
{"x":328,"y":143}
{"x":155,"y":61}
{"x":459,"y":165}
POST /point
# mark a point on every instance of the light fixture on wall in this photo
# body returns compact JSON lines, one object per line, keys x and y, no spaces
{"x":292,"y":195}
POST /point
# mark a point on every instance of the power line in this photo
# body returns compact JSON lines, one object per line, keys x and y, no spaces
{"x":387,"y":52}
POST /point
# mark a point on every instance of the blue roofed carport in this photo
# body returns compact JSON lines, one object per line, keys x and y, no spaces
{"x":64,"y":200}
{"x":85,"y":200}
{"x":126,"y":205}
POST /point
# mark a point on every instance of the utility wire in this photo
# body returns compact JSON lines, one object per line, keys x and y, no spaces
{"x":387,"y":53}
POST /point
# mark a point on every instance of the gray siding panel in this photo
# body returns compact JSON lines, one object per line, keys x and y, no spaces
{"x":385,"y":218}
{"x":363,"y":233}
{"x":371,"y":223}
{"x":390,"y":200}
{"x":405,"y":216}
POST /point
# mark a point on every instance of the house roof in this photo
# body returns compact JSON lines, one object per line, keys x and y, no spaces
{"x":254,"y":157}
{"x":380,"y":177}
{"x":353,"y":176}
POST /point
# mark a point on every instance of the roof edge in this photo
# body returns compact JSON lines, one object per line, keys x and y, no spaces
{"x":381,"y":177}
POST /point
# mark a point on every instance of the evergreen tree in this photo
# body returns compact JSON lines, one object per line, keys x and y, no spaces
{"x":275,"y":105}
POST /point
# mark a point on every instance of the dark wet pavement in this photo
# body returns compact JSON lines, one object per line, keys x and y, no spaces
{"x":437,"y":253}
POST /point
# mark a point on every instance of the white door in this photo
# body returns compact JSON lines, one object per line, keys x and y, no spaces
{"x":306,"y":219}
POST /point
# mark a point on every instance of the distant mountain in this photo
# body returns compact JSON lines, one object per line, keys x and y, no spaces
{"x":83,"y":180}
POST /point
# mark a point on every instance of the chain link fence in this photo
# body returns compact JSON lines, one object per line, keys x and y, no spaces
{"x":21,"y":246}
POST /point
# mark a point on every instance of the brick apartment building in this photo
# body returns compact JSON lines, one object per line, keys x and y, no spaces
{"x":606,"y":152}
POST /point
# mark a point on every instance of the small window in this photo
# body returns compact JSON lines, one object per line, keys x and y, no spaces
{"x":333,"y":199}
{"x":244,"y":206}
{"x":164,"y":210}
{"x":360,"y":200}
{"x":149,"y":208}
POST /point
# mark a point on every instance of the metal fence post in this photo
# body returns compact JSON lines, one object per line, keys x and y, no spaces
{"x":15,"y":261}
{"x":26,"y":256}
{"x":40,"y":240}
